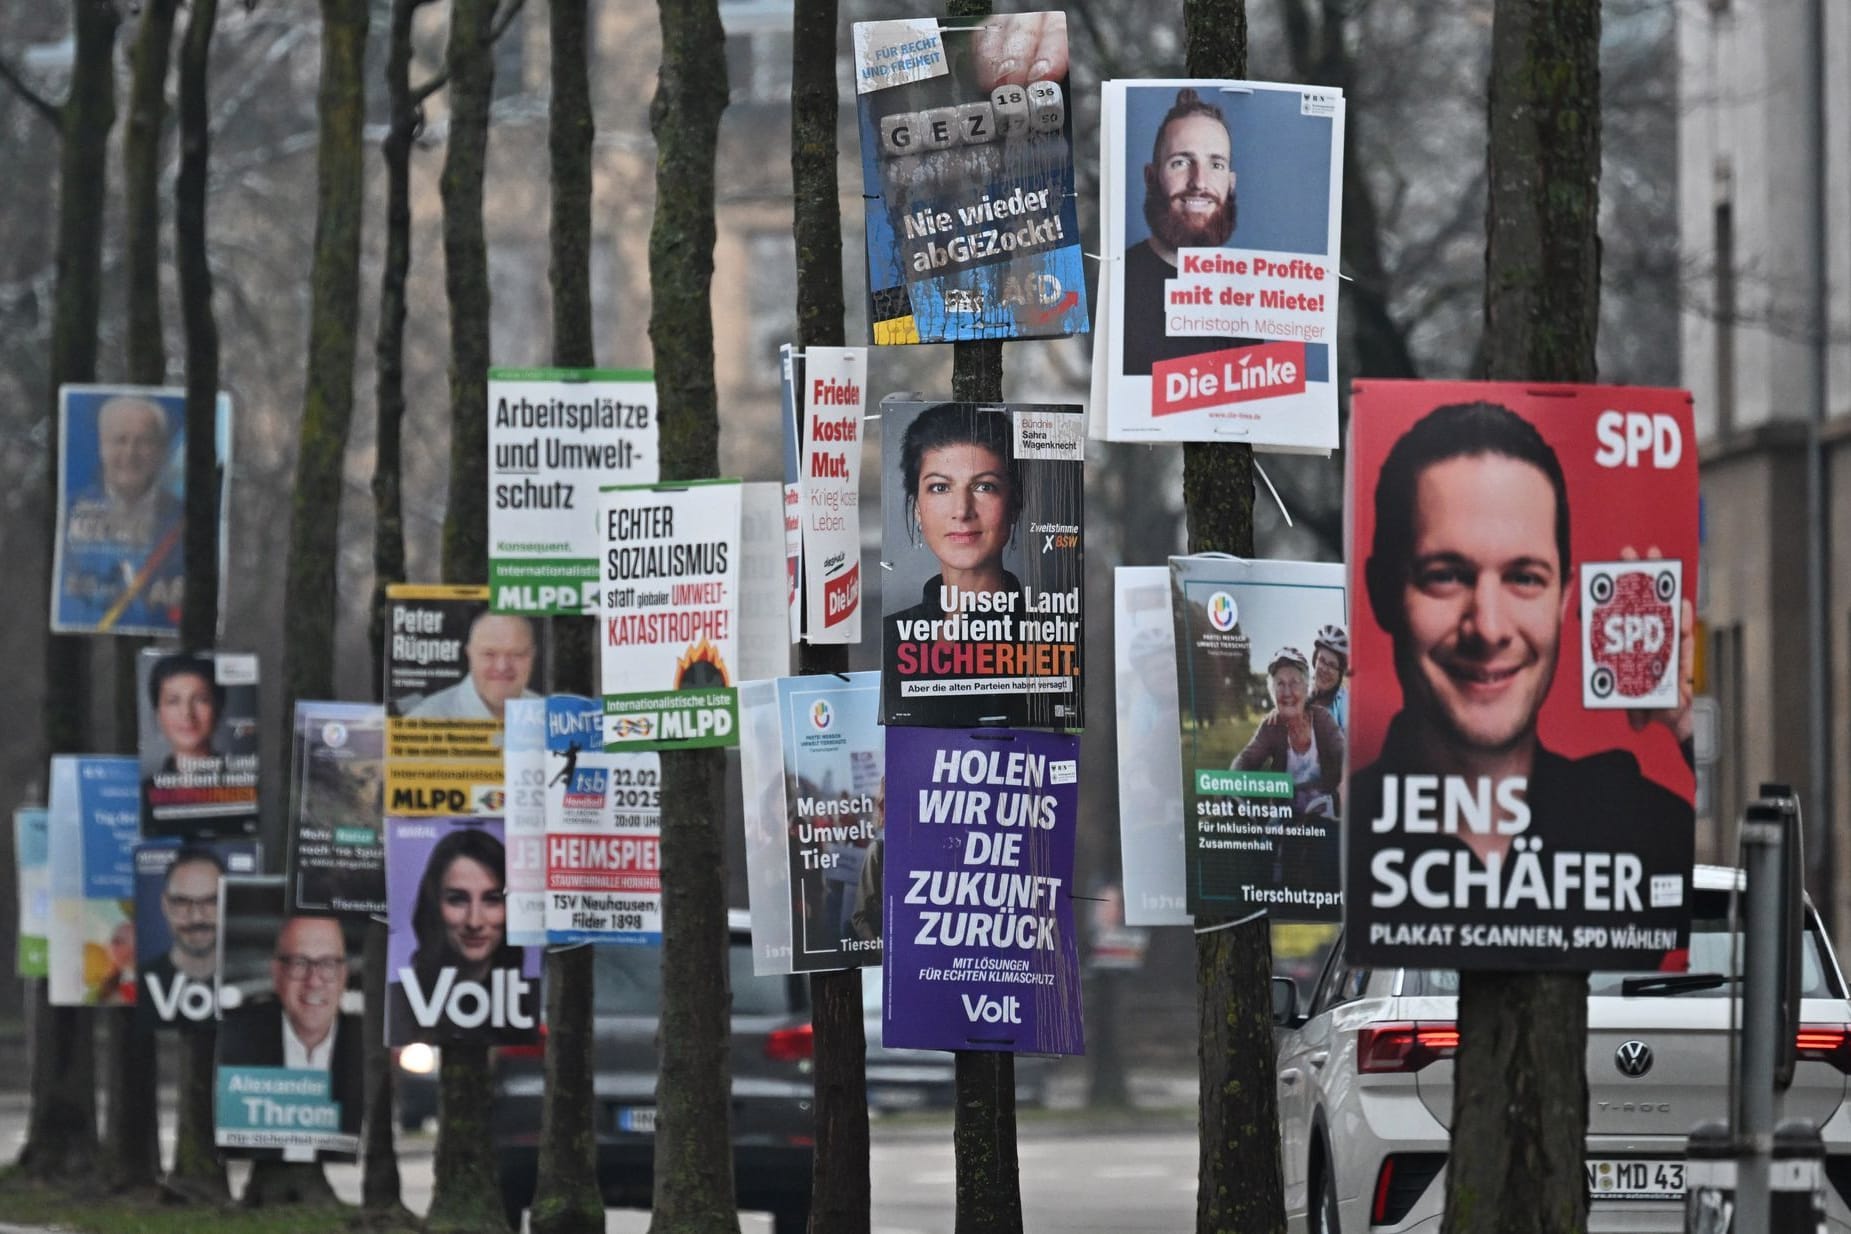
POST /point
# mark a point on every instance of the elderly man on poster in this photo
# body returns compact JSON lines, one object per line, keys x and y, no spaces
{"x":500,"y":651}
{"x":123,"y":561}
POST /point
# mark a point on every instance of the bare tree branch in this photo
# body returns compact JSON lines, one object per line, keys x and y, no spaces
{"x":46,"y":109}
{"x":503,"y":20}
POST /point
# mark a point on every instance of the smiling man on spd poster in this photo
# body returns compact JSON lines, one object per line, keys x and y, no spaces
{"x":1520,"y":785}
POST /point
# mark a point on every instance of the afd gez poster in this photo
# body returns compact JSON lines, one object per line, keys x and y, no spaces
{"x":1150,"y":781}
{"x":981,"y":607}
{"x":451,"y":667}
{"x":337,"y":854}
{"x":451,"y":973}
{"x":692,"y":603}
{"x":603,"y":832}
{"x":94,"y":825}
{"x":198,"y":714}
{"x":1221,"y":211}
{"x":523,"y":758}
{"x":290,"y":1078}
{"x":1262,"y":649}
{"x":556,"y":435}
{"x":967,"y":172}
{"x":32,"y":862}
{"x":980,"y":946}
{"x":1520,"y":796}
{"x":834,"y":787}
{"x":118,"y":551}
{"x":825,"y":398}
{"x":177,"y":924}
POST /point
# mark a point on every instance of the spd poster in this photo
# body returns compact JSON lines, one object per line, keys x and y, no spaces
{"x":452,"y":975}
{"x":337,"y":854}
{"x":603,"y":832}
{"x":198,"y":715}
{"x":967,"y":172}
{"x":289,"y":1078}
{"x":93,"y":826}
{"x":980,"y":946}
{"x":981,"y":620}
{"x":451,"y":667}
{"x":1261,"y":652}
{"x":556,"y":435}
{"x":119,"y":557}
{"x":1496,"y":818}
{"x":1221,"y":208}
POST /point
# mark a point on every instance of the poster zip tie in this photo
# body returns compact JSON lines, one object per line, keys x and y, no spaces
{"x":1275,"y":492}
{"x":885,"y":565}
{"x":1228,"y":925}
{"x":1236,"y":89}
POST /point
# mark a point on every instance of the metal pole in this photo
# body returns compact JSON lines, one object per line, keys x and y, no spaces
{"x":1763,"y":843}
{"x":1818,"y":527}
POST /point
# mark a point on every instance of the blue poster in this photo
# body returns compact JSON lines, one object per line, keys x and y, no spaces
{"x":981,"y":951}
{"x":95,"y":823}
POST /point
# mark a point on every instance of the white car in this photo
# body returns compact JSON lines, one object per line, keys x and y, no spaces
{"x":1366,"y":1084}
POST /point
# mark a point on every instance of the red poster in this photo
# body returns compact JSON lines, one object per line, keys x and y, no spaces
{"x":1522,"y":561}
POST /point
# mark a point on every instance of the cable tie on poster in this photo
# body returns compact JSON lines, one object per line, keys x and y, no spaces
{"x":1236,"y":89}
{"x":1229,"y":430}
{"x":1228,"y":925}
{"x":560,"y":948}
{"x":875,"y":416}
{"x":1273,"y":491}
{"x":886,"y":565}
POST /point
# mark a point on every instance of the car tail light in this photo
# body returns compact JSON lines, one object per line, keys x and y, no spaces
{"x":1824,"y":1043}
{"x":790,"y":1045}
{"x":1390,"y":1047}
{"x":536,"y":1050}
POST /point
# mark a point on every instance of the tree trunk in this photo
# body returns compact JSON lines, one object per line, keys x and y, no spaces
{"x":466,"y":1194}
{"x":61,"y":1125}
{"x":983,"y":1126}
{"x":1523,"y":1036}
{"x":1239,"y":1188}
{"x":198,"y":1173}
{"x":380,"y":1195}
{"x":141,"y":191}
{"x":404,"y":115}
{"x":840,"y":1191}
{"x":567,"y":1199}
{"x":199,"y":617}
{"x":471,"y":68}
{"x":132,"y":1155}
{"x":694,"y":1158}
{"x":311,"y":596}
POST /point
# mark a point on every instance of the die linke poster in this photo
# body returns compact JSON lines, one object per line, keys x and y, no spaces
{"x":967,"y":172}
{"x":1520,"y":793}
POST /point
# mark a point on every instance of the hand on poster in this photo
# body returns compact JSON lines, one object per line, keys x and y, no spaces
{"x":1020,"y":48}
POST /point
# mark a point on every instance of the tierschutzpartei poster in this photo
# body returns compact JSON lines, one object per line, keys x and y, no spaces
{"x":603,"y":832}
{"x":198,"y":714}
{"x":451,"y":666}
{"x":694,"y":602}
{"x":981,"y":543}
{"x":1262,"y":649}
{"x":94,"y":825}
{"x":967,"y":172}
{"x":452,"y":975}
{"x":1221,"y":213}
{"x":177,"y":924}
{"x":1496,"y":819}
{"x":290,"y":1076}
{"x":554,"y":437}
{"x":979,"y":928}
{"x":119,"y":557}
{"x":337,"y":853}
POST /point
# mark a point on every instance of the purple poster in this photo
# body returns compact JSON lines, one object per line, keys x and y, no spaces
{"x":451,"y":973}
{"x":980,"y":947}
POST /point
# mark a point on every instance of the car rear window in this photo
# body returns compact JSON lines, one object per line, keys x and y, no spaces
{"x":1710,"y":947}
{"x":629,"y":982}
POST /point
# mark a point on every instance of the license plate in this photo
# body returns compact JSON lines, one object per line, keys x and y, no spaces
{"x":640,"y":1119}
{"x":1635,"y":1179}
